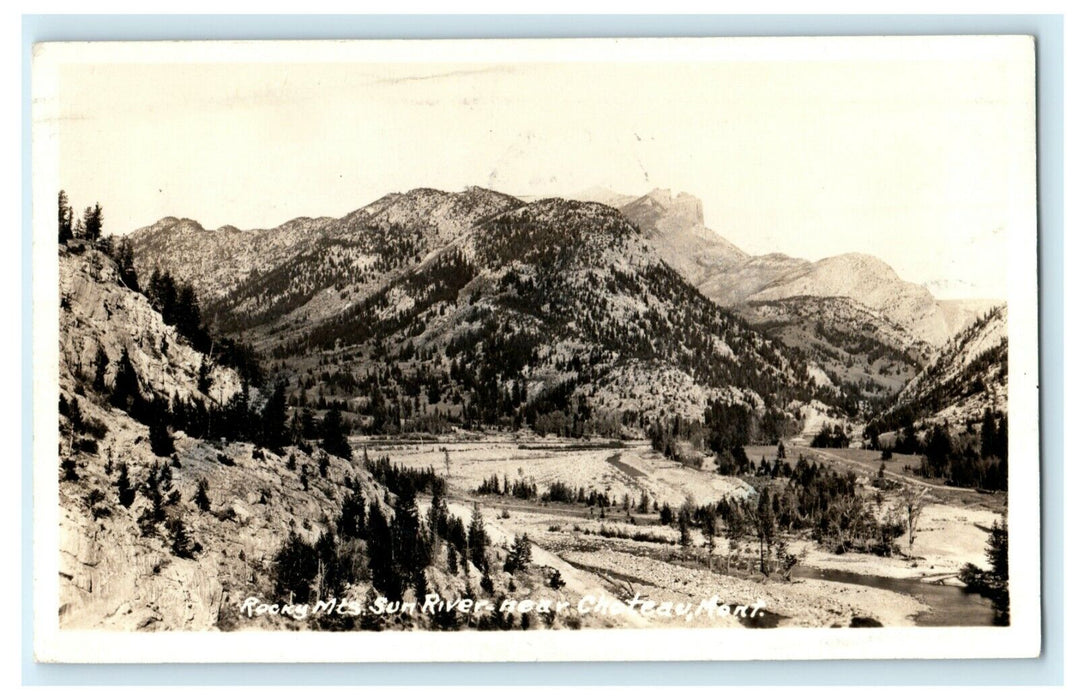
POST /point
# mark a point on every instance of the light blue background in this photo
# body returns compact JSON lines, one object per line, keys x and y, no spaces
{"x":1048,"y":29}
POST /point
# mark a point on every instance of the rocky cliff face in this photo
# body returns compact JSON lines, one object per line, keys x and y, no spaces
{"x":675,"y":227}
{"x":94,"y":302}
{"x":119,"y":569}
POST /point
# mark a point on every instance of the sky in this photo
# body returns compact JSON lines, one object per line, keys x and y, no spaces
{"x":920,"y":157}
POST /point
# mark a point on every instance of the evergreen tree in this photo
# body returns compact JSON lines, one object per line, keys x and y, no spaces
{"x":329,"y":565}
{"x":64,"y":212}
{"x":295,"y":566}
{"x":352,"y":523}
{"x":202,"y":498}
{"x":995,"y":582}
{"x":182,"y":545}
{"x":165,"y":477}
{"x":124,"y":488}
{"x":684,"y":536}
{"x":438,"y":514}
{"x":380,"y":551}
{"x":160,"y":439}
{"x":520,"y":556}
{"x":988,"y":433}
{"x":410,"y":542}
{"x":274,"y":415}
{"x":152,"y":490}
{"x":162,"y":294}
{"x":93,"y":222}
{"x":101,"y":366}
{"x":205,"y":380}
{"x":125,"y":260}
{"x":334,"y":435}
{"x":477,"y":539}
{"x":937,"y":447}
{"x":765,"y":529}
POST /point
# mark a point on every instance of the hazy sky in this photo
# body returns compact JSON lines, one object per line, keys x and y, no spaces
{"x":921,"y":160}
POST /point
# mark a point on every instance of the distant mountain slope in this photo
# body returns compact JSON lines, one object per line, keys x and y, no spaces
{"x":603,"y":195}
{"x":962,"y":313}
{"x":871,"y":282}
{"x":565,"y":296}
{"x":734,"y":285}
{"x":969,"y":376}
{"x":191,"y":252}
{"x":675,"y":227}
{"x":852,"y":344}
{"x":732,"y":278}
{"x":306,"y":269}
{"x":499,"y":310}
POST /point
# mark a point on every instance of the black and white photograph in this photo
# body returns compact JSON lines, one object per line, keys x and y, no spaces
{"x":536,"y":349}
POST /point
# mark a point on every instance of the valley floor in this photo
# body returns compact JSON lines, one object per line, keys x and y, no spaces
{"x":628,"y":554}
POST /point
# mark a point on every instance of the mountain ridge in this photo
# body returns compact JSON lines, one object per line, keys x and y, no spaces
{"x":733,"y":278}
{"x":422,"y":269}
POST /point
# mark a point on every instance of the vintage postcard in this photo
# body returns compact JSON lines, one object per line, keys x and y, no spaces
{"x":496,"y":350}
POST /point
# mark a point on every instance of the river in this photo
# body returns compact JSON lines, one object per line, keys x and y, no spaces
{"x":951,"y":606}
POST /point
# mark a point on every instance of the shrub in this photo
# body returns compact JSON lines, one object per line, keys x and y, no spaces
{"x":294,"y":567}
{"x":202,"y":499}
{"x":87,"y":445}
{"x":182,"y":546}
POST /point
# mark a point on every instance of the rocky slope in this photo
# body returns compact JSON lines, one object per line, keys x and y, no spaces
{"x":94,"y":302}
{"x":115,"y":571}
{"x":969,"y":375}
{"x":140,"y":548}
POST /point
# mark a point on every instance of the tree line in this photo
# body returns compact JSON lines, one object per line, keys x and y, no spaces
{"x":88,"y":226}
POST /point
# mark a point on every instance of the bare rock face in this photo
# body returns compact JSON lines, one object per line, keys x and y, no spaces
{"x":111,"y":579}
{"x":119,"y":568}
{"x":675,"y":226}
{"x":95,"y":304}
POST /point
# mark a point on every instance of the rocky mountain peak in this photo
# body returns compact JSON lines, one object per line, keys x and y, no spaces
{"x":689,"y":210}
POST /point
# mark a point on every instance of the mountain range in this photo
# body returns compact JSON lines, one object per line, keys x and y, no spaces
{"x":732,"y":278}
{"x":481,"y":299}
{"x":183,"y":487}
{"x":668,"y":314}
